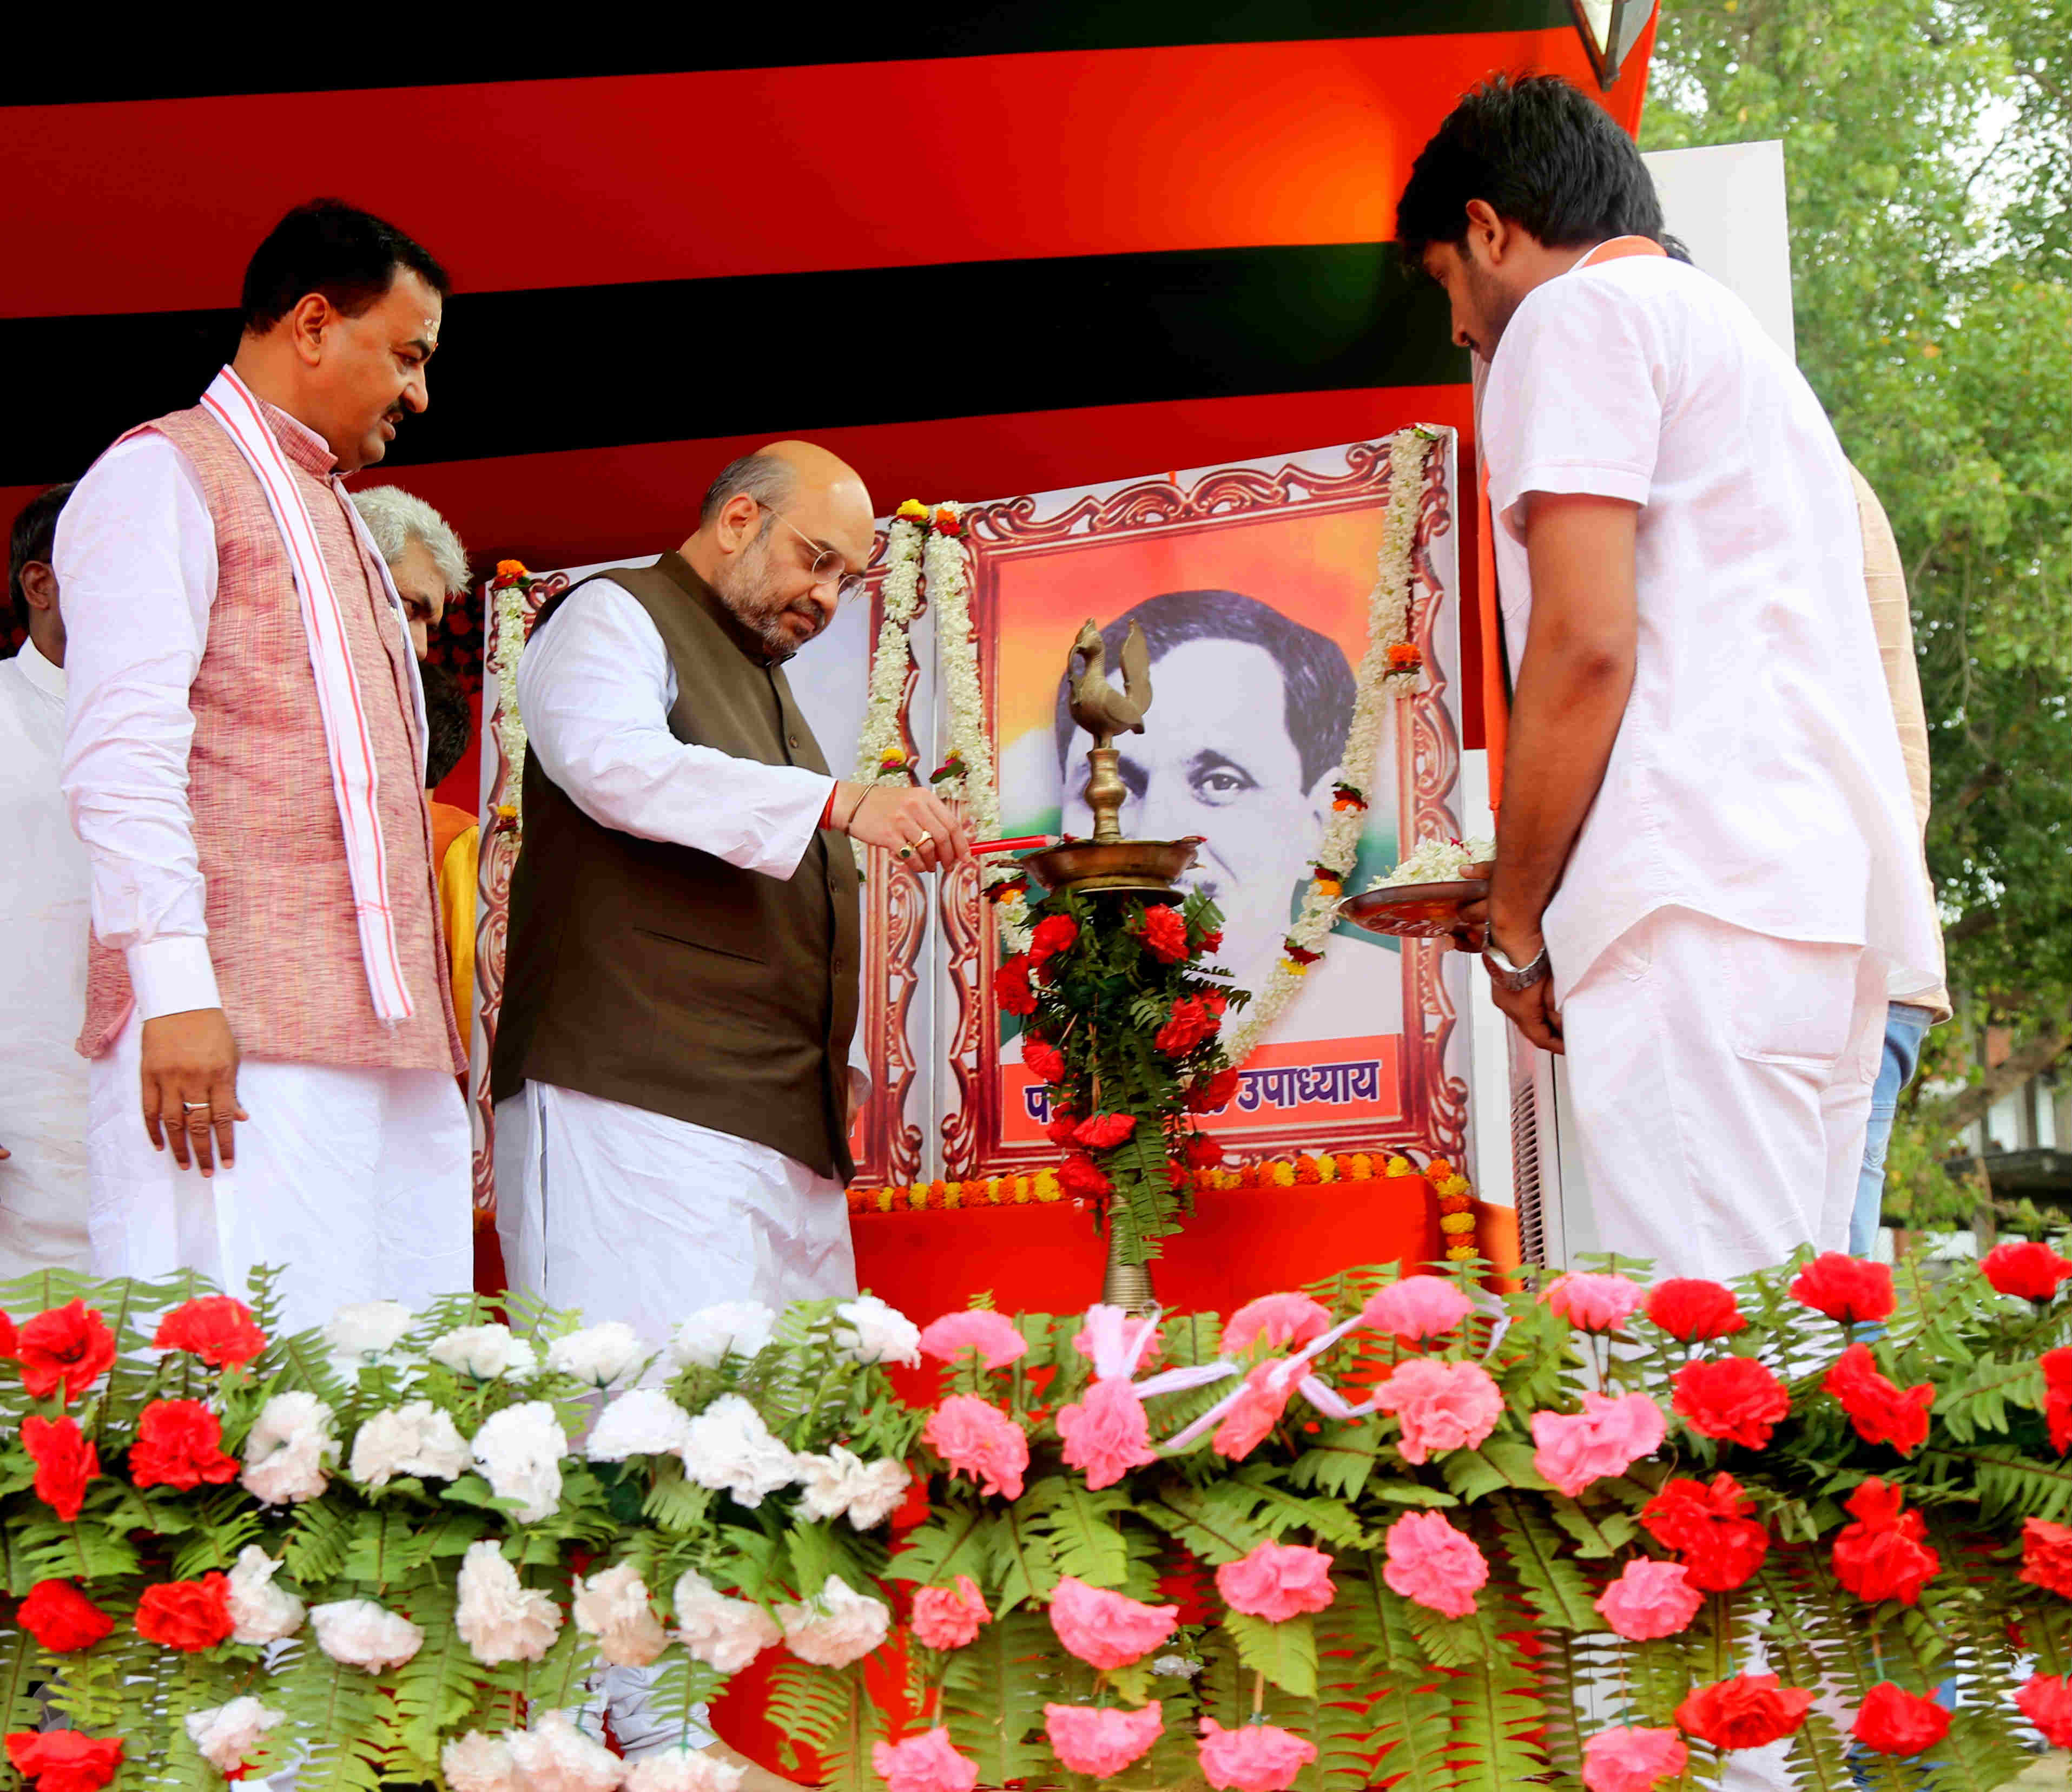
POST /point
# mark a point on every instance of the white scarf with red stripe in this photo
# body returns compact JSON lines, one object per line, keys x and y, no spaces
{"x":348,"y":743}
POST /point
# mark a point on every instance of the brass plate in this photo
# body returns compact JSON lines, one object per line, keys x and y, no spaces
{"x":1412,"y":911}
{"x":1145,"y":866}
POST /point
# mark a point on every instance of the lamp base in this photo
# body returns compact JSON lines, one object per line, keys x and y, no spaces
{"x":1145,"y":866}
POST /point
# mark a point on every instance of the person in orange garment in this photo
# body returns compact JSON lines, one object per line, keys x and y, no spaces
{"x":456,"y":834}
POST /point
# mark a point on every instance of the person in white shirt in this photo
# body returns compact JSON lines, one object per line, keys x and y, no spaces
{"x":1707,"y":867}
{"x":44,"y":908}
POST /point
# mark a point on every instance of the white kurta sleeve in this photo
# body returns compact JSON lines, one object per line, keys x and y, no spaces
{"x":136,"y":565}
{"x":594,"y":692}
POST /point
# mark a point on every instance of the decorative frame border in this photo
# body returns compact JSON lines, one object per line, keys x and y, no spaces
{"x":1435,"y":1117}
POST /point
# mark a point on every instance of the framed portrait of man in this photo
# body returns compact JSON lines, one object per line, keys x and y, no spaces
{"x":1252,"y":584}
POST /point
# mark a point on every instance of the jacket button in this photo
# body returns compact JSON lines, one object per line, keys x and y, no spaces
{"x":791,"y":741}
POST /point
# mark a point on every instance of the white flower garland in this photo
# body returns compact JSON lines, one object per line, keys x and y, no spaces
{"x":507,"y":642}
{"x":879,"y":741}
{"x":1385,"y":673}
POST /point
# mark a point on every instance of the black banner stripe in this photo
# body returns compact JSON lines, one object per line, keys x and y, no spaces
{"x":52,"y":64}
{"x":593,"y":367}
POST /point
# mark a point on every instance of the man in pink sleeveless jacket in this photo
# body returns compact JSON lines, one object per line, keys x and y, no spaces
{"x":273,"y":1041}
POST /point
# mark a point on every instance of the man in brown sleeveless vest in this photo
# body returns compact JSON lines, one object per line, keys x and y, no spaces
{"x":682,"y":979}
{"x":243,"y":761}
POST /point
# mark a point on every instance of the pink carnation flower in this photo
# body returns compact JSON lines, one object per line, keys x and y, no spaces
{"x":1107,"y":1630}
{"x":1596,"y":1302}
{"x":1259,"y":1407}
{"x":1106,"y":1433}
{"x":948,"y":1617}
{"x":1417,"y":1307}
{"x":1632,"y":1760}
{"x":991,"y":1334}
{"x":1650,"y":1600}
{"x":1253,"y":1758}
{"x":924,"y":1763}
{"x":1444,"y":1406}
{"x":1285,"y":1320}
{"x":1277,"y":1580}
{"x":1089,"y":1740}
{"x":1607,"y":1437}
{"x":979,"y":1440}
{"x":1434,"y":1564}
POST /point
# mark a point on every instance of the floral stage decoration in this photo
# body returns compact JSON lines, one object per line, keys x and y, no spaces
{"x":511,"y":622}
{"x":1396,"y":1530}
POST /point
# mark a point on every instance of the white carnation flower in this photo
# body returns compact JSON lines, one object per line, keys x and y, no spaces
{"x":261,"y":1612}
{"x":642,"y":1421}
{"x":367,"y":1329}
{"x":723,"y":1633}
{"x":740,"y":1328}
{"x":614,"y":1607}
{"x":478,"y":1763}
{"x":229,"y":1736}
{"x":680,"y":1770}
{"x":1176,"y":1667}
{"x":289,"y":1449}
{"x":554,"y":1755}
{"x":599,"y":1354}
{"x":418,"y":1438}
{"x":519,"y":1452}
{"x":499,"y":1618}
{"x":878,"y":1333}
{"x":484,"y":1352}
{"x":842,"y":1482}
{"x":837,"y":1626}
{"x":728,"y":1447}
{"x":362,"y":1634}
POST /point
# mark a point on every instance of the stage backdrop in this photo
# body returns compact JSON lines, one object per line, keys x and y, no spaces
{"x":1251,"y":582}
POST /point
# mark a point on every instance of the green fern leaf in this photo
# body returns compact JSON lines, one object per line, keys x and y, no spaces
{"x":1022,"y":1565}
{"x":1286,"y":1652}
{"x":1549,"y":1578}
{"x":994,"y":1690}
{"x":1497,"y":1720}
{"x":953,"y":1543}
{"x":1080,"y":1521}
{"x":1215,"y":1521}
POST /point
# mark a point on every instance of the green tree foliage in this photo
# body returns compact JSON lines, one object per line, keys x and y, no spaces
{"x":1928,"y":153}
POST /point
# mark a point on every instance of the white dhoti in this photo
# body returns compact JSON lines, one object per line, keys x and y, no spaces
{"x":1722,"y":1085}
{"x":634,"y":1216}
{"x":356,"y":1184}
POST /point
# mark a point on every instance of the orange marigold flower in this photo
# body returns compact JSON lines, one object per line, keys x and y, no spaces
{"x":1306,"y":1170}
{"x":1439,"y":1169}
{"x":1359,"y":1167}
{"x":511,"y":568}
{"x":1404,"y":656}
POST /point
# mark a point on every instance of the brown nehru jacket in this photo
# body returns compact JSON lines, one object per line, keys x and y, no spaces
{"x":653,"y":974}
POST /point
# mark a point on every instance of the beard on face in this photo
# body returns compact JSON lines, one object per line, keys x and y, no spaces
{"x":752,"y":589}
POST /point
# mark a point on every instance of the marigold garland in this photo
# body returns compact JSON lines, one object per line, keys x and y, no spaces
{"x":511,"y":623}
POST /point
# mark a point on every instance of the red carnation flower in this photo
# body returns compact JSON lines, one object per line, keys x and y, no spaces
{"x":62,"y":1618}
{"x":65,"y":1462}
{"x":179,"y":1444}
{"x":1882,"y":1411}
{"x":1735,"y":1399}
{"x":2046,"y":1701}
{"x":1104,"y":1132}
{"x":1206,"y":1093}
{"x":2057,"y":1396}
{"x":1203,"y":1151}
{"x":188,"y":1615}
{"x":2031,"y":1271}
{"x":1059,"y":1131}
{"x":7,"y":1339}
{"x":2046,"y":1555}
{"x":216,"y":1328}
{"x":1212,"y":941}
{"x":1164,"y":934}
{"x":1897,"y":1723}
{"x":1079,"y":1175}
{"x":64,"y":1760}
{"x":1881,"y":1555}
{"x":1846,"y":1289}
{"x":67,"y":1347}
{"x":1043,"y":1060}
{"x":1190,"y":1023}
{"x":1709,"y":1528}
{"x":1751,"y":1710}
{"x":1691,"y":1309}
{"x":1010,"y":986}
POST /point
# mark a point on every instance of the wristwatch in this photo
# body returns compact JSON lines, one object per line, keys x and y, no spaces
{"x":1512,"y":977}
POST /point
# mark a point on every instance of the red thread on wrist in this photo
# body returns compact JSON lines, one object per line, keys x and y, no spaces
{"x":827,"y":807}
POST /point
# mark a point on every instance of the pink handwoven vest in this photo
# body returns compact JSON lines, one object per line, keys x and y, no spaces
{"x":280,"y":929}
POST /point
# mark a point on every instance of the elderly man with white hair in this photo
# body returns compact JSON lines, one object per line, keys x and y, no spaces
{"x":427,"y":561}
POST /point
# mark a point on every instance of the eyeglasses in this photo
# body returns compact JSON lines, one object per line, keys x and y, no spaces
{"x":826,"y":569}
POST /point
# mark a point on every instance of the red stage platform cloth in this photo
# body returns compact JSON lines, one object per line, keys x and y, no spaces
{"x":1240,"y":1243}
{"x":1045,"y":1258}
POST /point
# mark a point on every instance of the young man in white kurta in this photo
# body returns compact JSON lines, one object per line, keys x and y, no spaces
{"x":1705,"y":829}
{"x":44,"y":908}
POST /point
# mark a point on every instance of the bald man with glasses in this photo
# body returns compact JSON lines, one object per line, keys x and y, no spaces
{"x":670,"y":1066}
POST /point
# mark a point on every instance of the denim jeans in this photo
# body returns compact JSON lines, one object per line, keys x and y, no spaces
{"x":1906,"y":1026}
